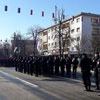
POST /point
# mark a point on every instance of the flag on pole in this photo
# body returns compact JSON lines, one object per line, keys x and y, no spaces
{"x":82,"y":18}
{"x":31,"y":12}
{"x":63,"y":16}
{"x":53,"y":15}
{"x":73,"y":18}
{"x":99,"y":21}
{"x":6,"y":8}
{"x":19,"y":10}
{"x":91,"y":19}
{"x":42,"y":13}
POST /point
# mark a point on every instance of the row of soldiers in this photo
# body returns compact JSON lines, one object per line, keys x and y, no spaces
{"x":46,"y":65}
{"x":55,"y":65}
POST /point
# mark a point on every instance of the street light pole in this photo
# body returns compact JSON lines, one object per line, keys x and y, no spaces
{"x":60,"y":49}
{"x":59,"y":20}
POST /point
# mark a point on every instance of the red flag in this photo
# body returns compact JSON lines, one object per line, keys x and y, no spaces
{"x":91,"y":19}
{"x":99,"y":21}
{"x":6,"y":8}
{"x":53,"y":15}
{"x":19,"y":10}
{"x":73,"y":18}
{"x":82,"y":18}
{"x":42,"y":13}
{"x":31,"y":12}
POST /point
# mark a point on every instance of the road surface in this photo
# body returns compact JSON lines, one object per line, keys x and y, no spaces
{"x":19,"y":86}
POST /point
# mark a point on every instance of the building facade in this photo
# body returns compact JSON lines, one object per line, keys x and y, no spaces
{"x":77,"y":35}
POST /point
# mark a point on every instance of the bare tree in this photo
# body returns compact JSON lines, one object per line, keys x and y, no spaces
{"x":83,"y":45}
{"x":33,"y":32}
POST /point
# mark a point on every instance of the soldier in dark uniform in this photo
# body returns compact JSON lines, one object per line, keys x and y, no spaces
{"x":62,"y":65}
{"x":98,"y":68}
{"x":44,"y":67}
{"x":36,"y":66}
{"x":50,"y":65}
{"x":28,"y":65}
{"x":21,"y":66}
{"x":25,"y":65}
{"x":85,"y":65}
{"x":31,"y":66}
{"x":57,"y":64}
{"x":16,"y":63}
{"x":94,"y":64}
{"x":98,"y":65}
{"x":75,"y":65}
{"x":22,"y":63}
{"x":68,"y":66}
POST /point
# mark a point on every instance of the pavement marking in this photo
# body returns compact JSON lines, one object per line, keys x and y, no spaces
{"x":26,"y":82}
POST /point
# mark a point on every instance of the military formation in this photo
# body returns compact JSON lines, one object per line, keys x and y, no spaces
{"x":60,"y":66}
{"x":46,"y":65}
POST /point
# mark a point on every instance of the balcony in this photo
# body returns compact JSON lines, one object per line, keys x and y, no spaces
{"x":96,"y":24}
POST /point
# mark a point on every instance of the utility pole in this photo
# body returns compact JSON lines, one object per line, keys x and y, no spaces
{"x":58,"y":19}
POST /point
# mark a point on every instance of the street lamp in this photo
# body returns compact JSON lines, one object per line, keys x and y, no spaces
{"x":59,"y":19}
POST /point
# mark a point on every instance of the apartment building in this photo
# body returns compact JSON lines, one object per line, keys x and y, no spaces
{"x":77,"y":35}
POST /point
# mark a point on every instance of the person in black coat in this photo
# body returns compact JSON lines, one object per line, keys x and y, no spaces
{"x":68,"y":62}
{"x":75,"y":65}
{"x":95,"y":68}
{"x":98,"y":68}
{"x":56,"y":64}
{"x":85,"y":65}
{"x":62,"y":65}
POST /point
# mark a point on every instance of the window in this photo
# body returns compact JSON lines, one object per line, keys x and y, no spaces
{"x":49,"y":44}
{"x":72,"y":31}
{"x":45,"y":33}
{"x":78,"y":20}
{"x":45,"y":46}
{"x":55,"y":43}
{"x":49,"y":37}
{"x":52,"y":29}
{"x":49,"y":31}
{"x":72,"y":48}
{"x":95,"y":30}
{"x":52,"y":44}
{"x":94,"y":20}
{"x":72,"y":22}
{"x":78,"y":38}
{"x":78,"y":29}
{"x":56,"y":36}
{"x":52,"y":37}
